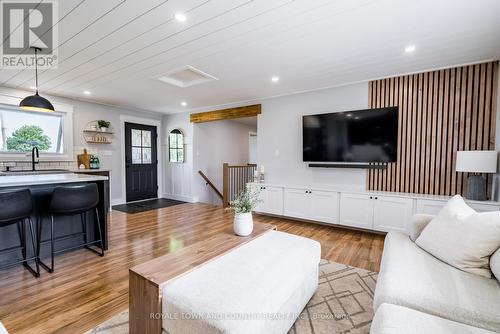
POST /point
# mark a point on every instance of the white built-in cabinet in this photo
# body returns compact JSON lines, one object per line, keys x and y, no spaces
{"x":374,"y":212}
{"x":433,"y":207}
{"x":356,"y":210}
{"x":379,"y":211}
{"x":271,"y":200}
{"x":309,"y":204}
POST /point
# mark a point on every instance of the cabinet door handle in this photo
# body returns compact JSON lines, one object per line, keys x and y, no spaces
{"x":376,"y":197}
{"x":371,"y":197}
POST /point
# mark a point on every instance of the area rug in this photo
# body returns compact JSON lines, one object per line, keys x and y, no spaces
{"x":342,"y":304}
{"x":148,"y":205}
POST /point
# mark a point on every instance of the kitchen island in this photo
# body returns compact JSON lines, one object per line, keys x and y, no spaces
{"x":42,"y":186}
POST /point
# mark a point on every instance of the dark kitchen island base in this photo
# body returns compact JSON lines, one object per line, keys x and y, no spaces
{"x":63,"y":225}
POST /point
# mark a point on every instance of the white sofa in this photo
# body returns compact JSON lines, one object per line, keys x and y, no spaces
{"x":260,"y":287}
{"x":2,"y":329}
{"x":412,"y":278}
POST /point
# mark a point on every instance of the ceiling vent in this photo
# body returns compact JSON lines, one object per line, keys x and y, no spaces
{"x":186,"y":76}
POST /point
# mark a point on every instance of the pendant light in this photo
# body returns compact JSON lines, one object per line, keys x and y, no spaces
{"x":36,"y":102}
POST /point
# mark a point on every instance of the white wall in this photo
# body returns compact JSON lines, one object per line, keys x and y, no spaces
{"x":214,"y":144}
{"x":252,"y":149}
{"x":109,"y":154}
{"x":280,"y":136}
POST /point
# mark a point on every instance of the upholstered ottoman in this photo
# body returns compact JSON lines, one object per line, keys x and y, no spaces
{"x":394,"y":319}
{"x":260,"y":287}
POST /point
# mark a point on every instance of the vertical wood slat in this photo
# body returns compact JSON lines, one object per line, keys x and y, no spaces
{"x":440,"y":113}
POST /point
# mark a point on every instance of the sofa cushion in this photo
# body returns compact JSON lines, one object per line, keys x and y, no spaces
{"x":256,"y":288}
{"x":411,"y":277}
{"x":495,"y":264}
{"x":462,"y":237}
{"x":393,"y":319}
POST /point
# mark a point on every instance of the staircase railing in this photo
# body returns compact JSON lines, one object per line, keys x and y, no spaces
{"x":209,"y":183}
{"x":235,"y":179}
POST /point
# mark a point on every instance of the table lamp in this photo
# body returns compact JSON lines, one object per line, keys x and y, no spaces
{"x":477,"y":162}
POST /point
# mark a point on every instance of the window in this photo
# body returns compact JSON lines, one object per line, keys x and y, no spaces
{"x":141,"y":147}
{"x":176,"y":146}
{"x":20,"y":131}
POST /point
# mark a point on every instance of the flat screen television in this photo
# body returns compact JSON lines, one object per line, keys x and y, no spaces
{"x":362,"y":136}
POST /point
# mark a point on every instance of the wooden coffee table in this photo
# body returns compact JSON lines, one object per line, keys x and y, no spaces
{"x":146,"y":280}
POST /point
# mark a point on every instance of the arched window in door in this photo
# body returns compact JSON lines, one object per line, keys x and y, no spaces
{"x":176,"y":146}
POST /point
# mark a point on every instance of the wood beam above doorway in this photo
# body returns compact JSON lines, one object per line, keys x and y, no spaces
{"x":231,"y":113}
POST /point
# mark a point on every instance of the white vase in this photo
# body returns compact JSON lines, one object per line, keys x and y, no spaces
{"x":243,"y":224}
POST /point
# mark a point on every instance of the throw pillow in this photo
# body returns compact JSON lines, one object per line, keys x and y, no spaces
{"x":462,"y":237}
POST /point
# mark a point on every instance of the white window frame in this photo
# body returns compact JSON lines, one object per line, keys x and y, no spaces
{"x":10,"y":101}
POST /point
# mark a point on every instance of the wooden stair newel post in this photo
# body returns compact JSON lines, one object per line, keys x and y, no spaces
{"x":225,"y":185}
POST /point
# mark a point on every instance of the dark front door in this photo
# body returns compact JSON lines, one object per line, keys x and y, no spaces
{"x":141,"y":162}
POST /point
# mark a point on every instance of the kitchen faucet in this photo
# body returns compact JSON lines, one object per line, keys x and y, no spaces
{"x":34,"y":152}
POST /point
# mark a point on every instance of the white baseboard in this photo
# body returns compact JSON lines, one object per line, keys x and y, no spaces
{"x":117,"y":201}
{"x":183,"y":198}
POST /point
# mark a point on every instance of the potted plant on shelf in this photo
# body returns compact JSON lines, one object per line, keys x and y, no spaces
{"x":243,"y":206}
{"x":103,"y":125}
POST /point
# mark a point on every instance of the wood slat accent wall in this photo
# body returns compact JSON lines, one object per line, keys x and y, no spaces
{"x":440,"y":113}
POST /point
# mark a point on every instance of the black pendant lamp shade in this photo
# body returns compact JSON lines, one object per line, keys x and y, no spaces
{"x":36,"y":102}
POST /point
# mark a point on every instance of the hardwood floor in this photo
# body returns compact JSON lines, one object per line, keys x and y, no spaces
{"x":86,"y":289}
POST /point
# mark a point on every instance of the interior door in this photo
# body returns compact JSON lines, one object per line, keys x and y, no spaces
{"x":141,"y":162}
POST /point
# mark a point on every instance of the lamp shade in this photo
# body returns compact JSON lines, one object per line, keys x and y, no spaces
{"x":36,"y":103}
{"x":477,"y":161}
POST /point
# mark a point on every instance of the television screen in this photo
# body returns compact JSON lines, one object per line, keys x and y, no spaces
{"x":362,"y":136}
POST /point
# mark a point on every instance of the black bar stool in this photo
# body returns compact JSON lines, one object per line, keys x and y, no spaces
{"x":70,"y":201}
{"x":16,"y":208}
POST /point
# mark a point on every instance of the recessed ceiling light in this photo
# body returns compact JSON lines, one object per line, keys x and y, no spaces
{"x":349,"y":115}
{"x":184,"y":104}
{"x":275,"y":78}
{"x":180,"y":17}
{"x":86,"y":92}
{"x":410,"y":48}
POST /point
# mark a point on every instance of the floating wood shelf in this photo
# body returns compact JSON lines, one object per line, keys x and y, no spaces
{"x":97,"y":131}
{"x":98,"y":142}
{"x":93,"y":135}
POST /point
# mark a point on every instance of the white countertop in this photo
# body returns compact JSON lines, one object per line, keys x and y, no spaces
{"x":323,"y":187}
{"x":41,"y":179}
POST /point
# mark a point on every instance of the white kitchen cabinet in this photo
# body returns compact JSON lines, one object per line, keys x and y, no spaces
{"x":271,"y":200}
{"x":321,"y":206}
{"x":392,"y":213}
{"x":356,"y":210}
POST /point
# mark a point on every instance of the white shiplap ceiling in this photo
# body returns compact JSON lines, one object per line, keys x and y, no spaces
{"x":117,"y":48}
